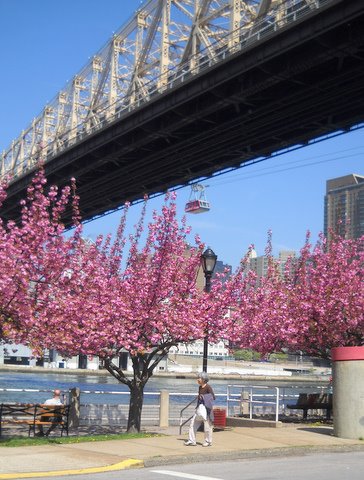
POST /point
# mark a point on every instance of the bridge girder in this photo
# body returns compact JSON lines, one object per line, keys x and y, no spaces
{"x":163,"y":37}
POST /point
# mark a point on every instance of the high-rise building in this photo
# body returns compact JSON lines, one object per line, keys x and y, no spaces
{"x":344,"y":206}
{"x":260,"y":264}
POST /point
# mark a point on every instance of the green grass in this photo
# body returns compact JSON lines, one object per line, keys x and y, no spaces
{"x":18,"y":441}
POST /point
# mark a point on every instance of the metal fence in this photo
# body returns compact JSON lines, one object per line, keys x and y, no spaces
{"x":258,"y":400}
{"x":240,"y":400}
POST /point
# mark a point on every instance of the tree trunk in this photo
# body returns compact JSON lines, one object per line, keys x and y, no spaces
{"x":143,"y":366}
{"x":135,"y":407}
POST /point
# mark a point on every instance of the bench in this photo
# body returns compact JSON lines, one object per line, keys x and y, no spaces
{"x":34,"y":415}
{"x":313,"y":401}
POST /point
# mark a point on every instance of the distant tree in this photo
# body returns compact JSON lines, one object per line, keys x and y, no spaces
{"x":246,"y":355}
{"x":278,"y":357}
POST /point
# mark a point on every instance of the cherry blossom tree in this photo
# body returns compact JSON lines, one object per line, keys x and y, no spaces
{"x":22,"y":254}
{"x":60,"y":291}
{"x":316,"y":304}
{"x":143,"y":302}
{"x":328,"y":302}
{"x":260,"y":318}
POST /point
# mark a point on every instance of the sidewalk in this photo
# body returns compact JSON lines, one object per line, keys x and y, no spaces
{"x":231,"y":443}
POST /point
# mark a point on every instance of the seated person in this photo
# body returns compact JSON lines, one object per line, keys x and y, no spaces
{"x":54,"y":401}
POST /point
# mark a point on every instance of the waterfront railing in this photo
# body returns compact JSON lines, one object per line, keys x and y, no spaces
{"x":111,"y":408}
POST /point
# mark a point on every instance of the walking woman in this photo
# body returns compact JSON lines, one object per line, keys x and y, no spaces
{"x":204,"y":412}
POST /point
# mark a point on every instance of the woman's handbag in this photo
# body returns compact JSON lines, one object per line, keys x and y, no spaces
{"x":201,"y":411}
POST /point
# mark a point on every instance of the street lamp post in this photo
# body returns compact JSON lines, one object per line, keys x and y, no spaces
{"x":208,"y":262}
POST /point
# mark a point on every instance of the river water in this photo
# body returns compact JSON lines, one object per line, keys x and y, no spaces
{"x":182,"y":390}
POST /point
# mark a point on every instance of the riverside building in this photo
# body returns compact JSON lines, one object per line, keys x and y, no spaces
{"x":259,"y":264}
{"x":344,"y":206}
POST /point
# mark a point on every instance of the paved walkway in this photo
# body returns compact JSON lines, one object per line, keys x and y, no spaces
{"x":237,"y":442}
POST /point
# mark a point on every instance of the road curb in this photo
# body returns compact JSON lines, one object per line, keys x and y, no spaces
{"x":250,"y":454}
{"x":125,"y":464}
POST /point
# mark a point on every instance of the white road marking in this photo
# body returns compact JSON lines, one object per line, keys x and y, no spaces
{"x":184,"y":475}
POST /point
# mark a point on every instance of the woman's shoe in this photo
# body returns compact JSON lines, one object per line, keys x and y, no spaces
{"x":206,"y":444}
{"x":188,"y":443}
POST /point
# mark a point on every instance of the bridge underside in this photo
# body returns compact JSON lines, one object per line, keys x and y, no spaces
{"x":303,"y":83}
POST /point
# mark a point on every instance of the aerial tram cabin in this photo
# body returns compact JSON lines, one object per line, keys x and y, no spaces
{"x":197,"y":202}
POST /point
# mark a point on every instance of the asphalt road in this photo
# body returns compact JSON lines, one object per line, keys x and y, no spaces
{"x":320,"y":466}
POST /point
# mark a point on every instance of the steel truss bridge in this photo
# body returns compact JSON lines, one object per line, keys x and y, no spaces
{"x":189,"y":88}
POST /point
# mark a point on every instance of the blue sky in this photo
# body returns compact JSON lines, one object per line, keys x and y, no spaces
{"x":44,"y":43}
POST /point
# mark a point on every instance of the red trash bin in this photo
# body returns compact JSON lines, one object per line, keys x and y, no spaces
{"x":219,"y":417}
